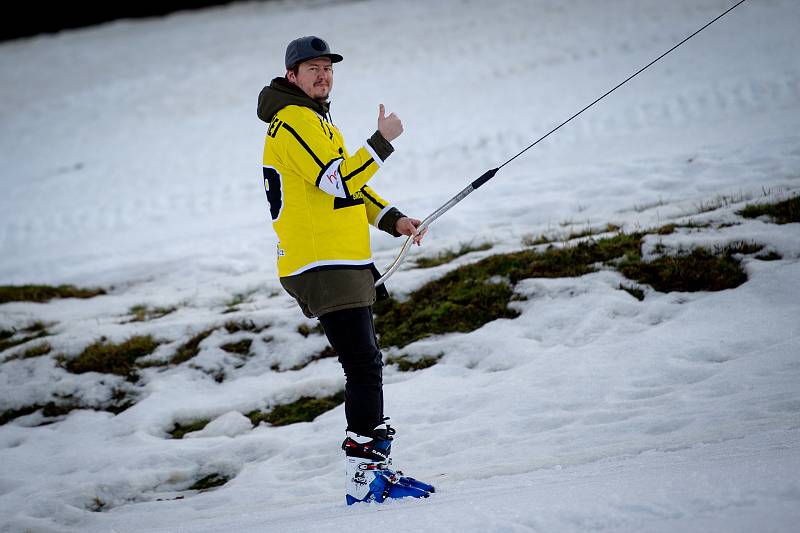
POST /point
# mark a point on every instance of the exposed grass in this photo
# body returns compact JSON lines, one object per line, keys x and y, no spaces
{"x":14,"y":337}
{"x":769,"y":256}
{"x":11,"y":414}
{"x":698,"y":270}
{"x":143,"y":313}
{"x":241,"y":347}
{"x":589,"y":231}
{"x":44,"y":293}
{"x":633,"y":291}
{"x":410,"y":364}
{"x":303,"y":410}
{"x":454,"y":303}
{"x":178,"y":431}
{"x":448,"y":255}
{"x":233,"y":326}
{"x":63,"y":406}
{"x":722,"y":200}
{"x":324,"y":354}
{"x":108,"y":358}
{"x":784,"y":212}
{"x":739,"y":247}
{"x":305,"y":331}
{"x":210,"y":481}
{"x":530,"y":240}
{"x":669,"y":229}
{"x":97,"y":505}
{"x":36,"y":351}
{"x":232,"y":305}
{"x":190,"y":348}
{"x":472,"y":295}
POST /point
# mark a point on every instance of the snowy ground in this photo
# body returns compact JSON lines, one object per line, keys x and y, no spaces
{"x":132,"y":161}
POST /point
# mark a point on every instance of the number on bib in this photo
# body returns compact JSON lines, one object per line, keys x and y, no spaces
{"x":272,"y":184}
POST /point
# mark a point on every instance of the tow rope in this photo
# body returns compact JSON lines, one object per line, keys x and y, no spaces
{"x":489,"y":174}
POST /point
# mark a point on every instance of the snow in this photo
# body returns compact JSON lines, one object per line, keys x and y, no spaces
{"x":132,"y":156}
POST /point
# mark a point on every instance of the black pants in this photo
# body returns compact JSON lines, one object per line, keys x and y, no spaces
{"x":351,"y":333}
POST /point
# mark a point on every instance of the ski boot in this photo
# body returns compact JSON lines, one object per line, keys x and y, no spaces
{"x":369,"y":474}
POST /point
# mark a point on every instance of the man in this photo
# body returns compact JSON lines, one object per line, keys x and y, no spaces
{"x":321,"y":205}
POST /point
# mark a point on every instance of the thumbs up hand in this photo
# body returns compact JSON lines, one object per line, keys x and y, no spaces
{"x":390,"y":127}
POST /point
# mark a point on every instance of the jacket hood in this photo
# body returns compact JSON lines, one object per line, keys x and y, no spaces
{"x":281,"y":93}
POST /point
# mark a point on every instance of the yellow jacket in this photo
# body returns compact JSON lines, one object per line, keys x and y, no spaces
{"x":318,"y":196}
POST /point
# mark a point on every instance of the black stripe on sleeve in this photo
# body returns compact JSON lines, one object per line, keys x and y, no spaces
{"x":358,"y":170}
{"x":341,"y":203}
{"x":347,"y":191}
{"x":371,"y":199}
{"x":303,"y":144}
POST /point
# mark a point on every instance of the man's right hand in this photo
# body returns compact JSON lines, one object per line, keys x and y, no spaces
{"x":390,"y":127}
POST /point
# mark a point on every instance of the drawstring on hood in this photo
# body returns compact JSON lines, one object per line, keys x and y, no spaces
{"x":281,"y":93}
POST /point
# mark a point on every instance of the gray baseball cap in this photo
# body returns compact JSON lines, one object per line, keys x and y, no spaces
{"x":306,"y":48}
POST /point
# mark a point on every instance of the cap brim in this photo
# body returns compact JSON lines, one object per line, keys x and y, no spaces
{"x":335,"y":58}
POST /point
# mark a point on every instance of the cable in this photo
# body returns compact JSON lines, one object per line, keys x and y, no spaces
{"x":489,"y":174}
{"x":543,"y":137}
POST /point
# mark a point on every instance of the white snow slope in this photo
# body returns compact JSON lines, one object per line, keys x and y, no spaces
{"x":131,"y":160}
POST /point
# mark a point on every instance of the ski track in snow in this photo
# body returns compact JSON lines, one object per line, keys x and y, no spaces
{"x":132,"y":153}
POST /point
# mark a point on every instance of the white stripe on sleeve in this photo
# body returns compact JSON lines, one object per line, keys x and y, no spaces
{"x":374,"y":154}
{"x":380,"y":215}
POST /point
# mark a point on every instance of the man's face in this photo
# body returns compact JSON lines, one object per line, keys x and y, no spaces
{"x":314,"y":77}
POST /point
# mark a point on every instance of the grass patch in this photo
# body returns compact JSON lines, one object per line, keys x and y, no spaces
{"x":210,"y":481}
{"x":108,"y":358}
{"x":669,"y":229}
{"x":233,"y":326}
{"x":406,"y":364}
{"x":722,"y":200}
{"x":454,"y":303}
{"x":178,"y":431}
{"x":64,"y":406}
{"x":36,"y":351}
{"x":305,"y":331}
{"x":303,"y":410}
{"x":97,"y":505}
{"x":324,"y":354}
{"x":698,"y":270}
{"x":784,"y":212}
{"x":190,"y":348}
{"x":232,"y":305}
{"x":633,"y":291}
{"x":241,"y":347}
{"x":589,"y":231}
{"x":11,"y":414}
{"x":44,"y":293}
{"x":472,"y":295}
{"x":530,"y":240}
{"x":15,"y":337}
{"x":143,"y":313}
{"x":448,"y":255}
{"x":739,"y":247}
{"x":769,"y":256}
